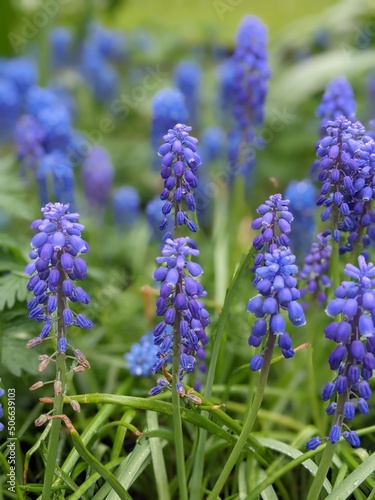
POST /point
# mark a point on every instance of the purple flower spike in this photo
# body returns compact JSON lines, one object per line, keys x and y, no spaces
{"x":276,"y":284}
{"x":179,"y":162}
{"x":59,"y":240}
{"x":353,"y":355}
{"x":180,"y":305}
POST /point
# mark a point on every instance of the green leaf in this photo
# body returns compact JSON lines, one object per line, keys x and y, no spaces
{"x":12,"y":190}
{"x":351,"y":483}
{"x":14,"y":355}
{"x":292,"y":452}
{"x":12,"y":288}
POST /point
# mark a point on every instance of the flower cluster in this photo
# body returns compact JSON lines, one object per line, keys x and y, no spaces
{"x":179,"y":164}
{"x":250,"y":90}
{"x":274,"y":222}
{"x":180,"y":306}
{"x":55,"y":268}
{"x":346,"y":174}
{"x":276,"y":285}
{"x":142,"y":356}
{"x":353,"y":357}
{"x":315,"y":268}
{"x":187,"y":76}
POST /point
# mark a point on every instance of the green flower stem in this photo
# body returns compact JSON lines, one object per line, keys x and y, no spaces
{"x":54,"y":435}
{"x":250,"y":419}
{"x":196,"y":482}
{"x":91,"y":460}
{"x":328,"y":453}
{"x":177,"y":423}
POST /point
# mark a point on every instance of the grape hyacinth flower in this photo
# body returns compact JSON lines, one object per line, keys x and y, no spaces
{"x":274,"y":222}
{"x":181,"y":308}
{"x":251,"y":87}
{"x":56,"y":267}
{"x":126,"y":206}
{"x":187,"y":76}
{"x":346,"y":173}
{"x":276,"y":284}
{"x":179,"y":164}
{"x":142,"y":356}
{"x":168,"y":108}
{"x":353,"y":357}
{"x":302,"y":203}
{"x":97,"y":176}
{"x":338,"y":100}
{"x":315,"y":268}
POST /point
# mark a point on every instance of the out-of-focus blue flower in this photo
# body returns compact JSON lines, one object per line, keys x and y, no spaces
{"x":250,"y":90}
{"x":187,"y":77}
{"x":29,"y":142}
{"x":100,"y":48}
{"x":100,"y":76}
{"x":353,"y":357}
{"x":97,"y":176}
{"x":55,"y":178}
{"x":56,"y":266}
{"x":302,"y":203}
{"x":213,"y":144}
{"x":61,"y":42}
{"x":370,"y":87}
{"x":338,"y":100}
{"x":168,"y":109}
{"x":22,"y":72}
{"x":126,"y":206}
{"x":179,"y":305}
{"x":142,"y":356}
{"x":53,"y":118}
{"x":10,"y":107}
{"x":179,"y":164}
{"x":213,"y":148}
{"x":110,"y":44}
{"x":315,"y":268}
{"x":226,"y":91}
